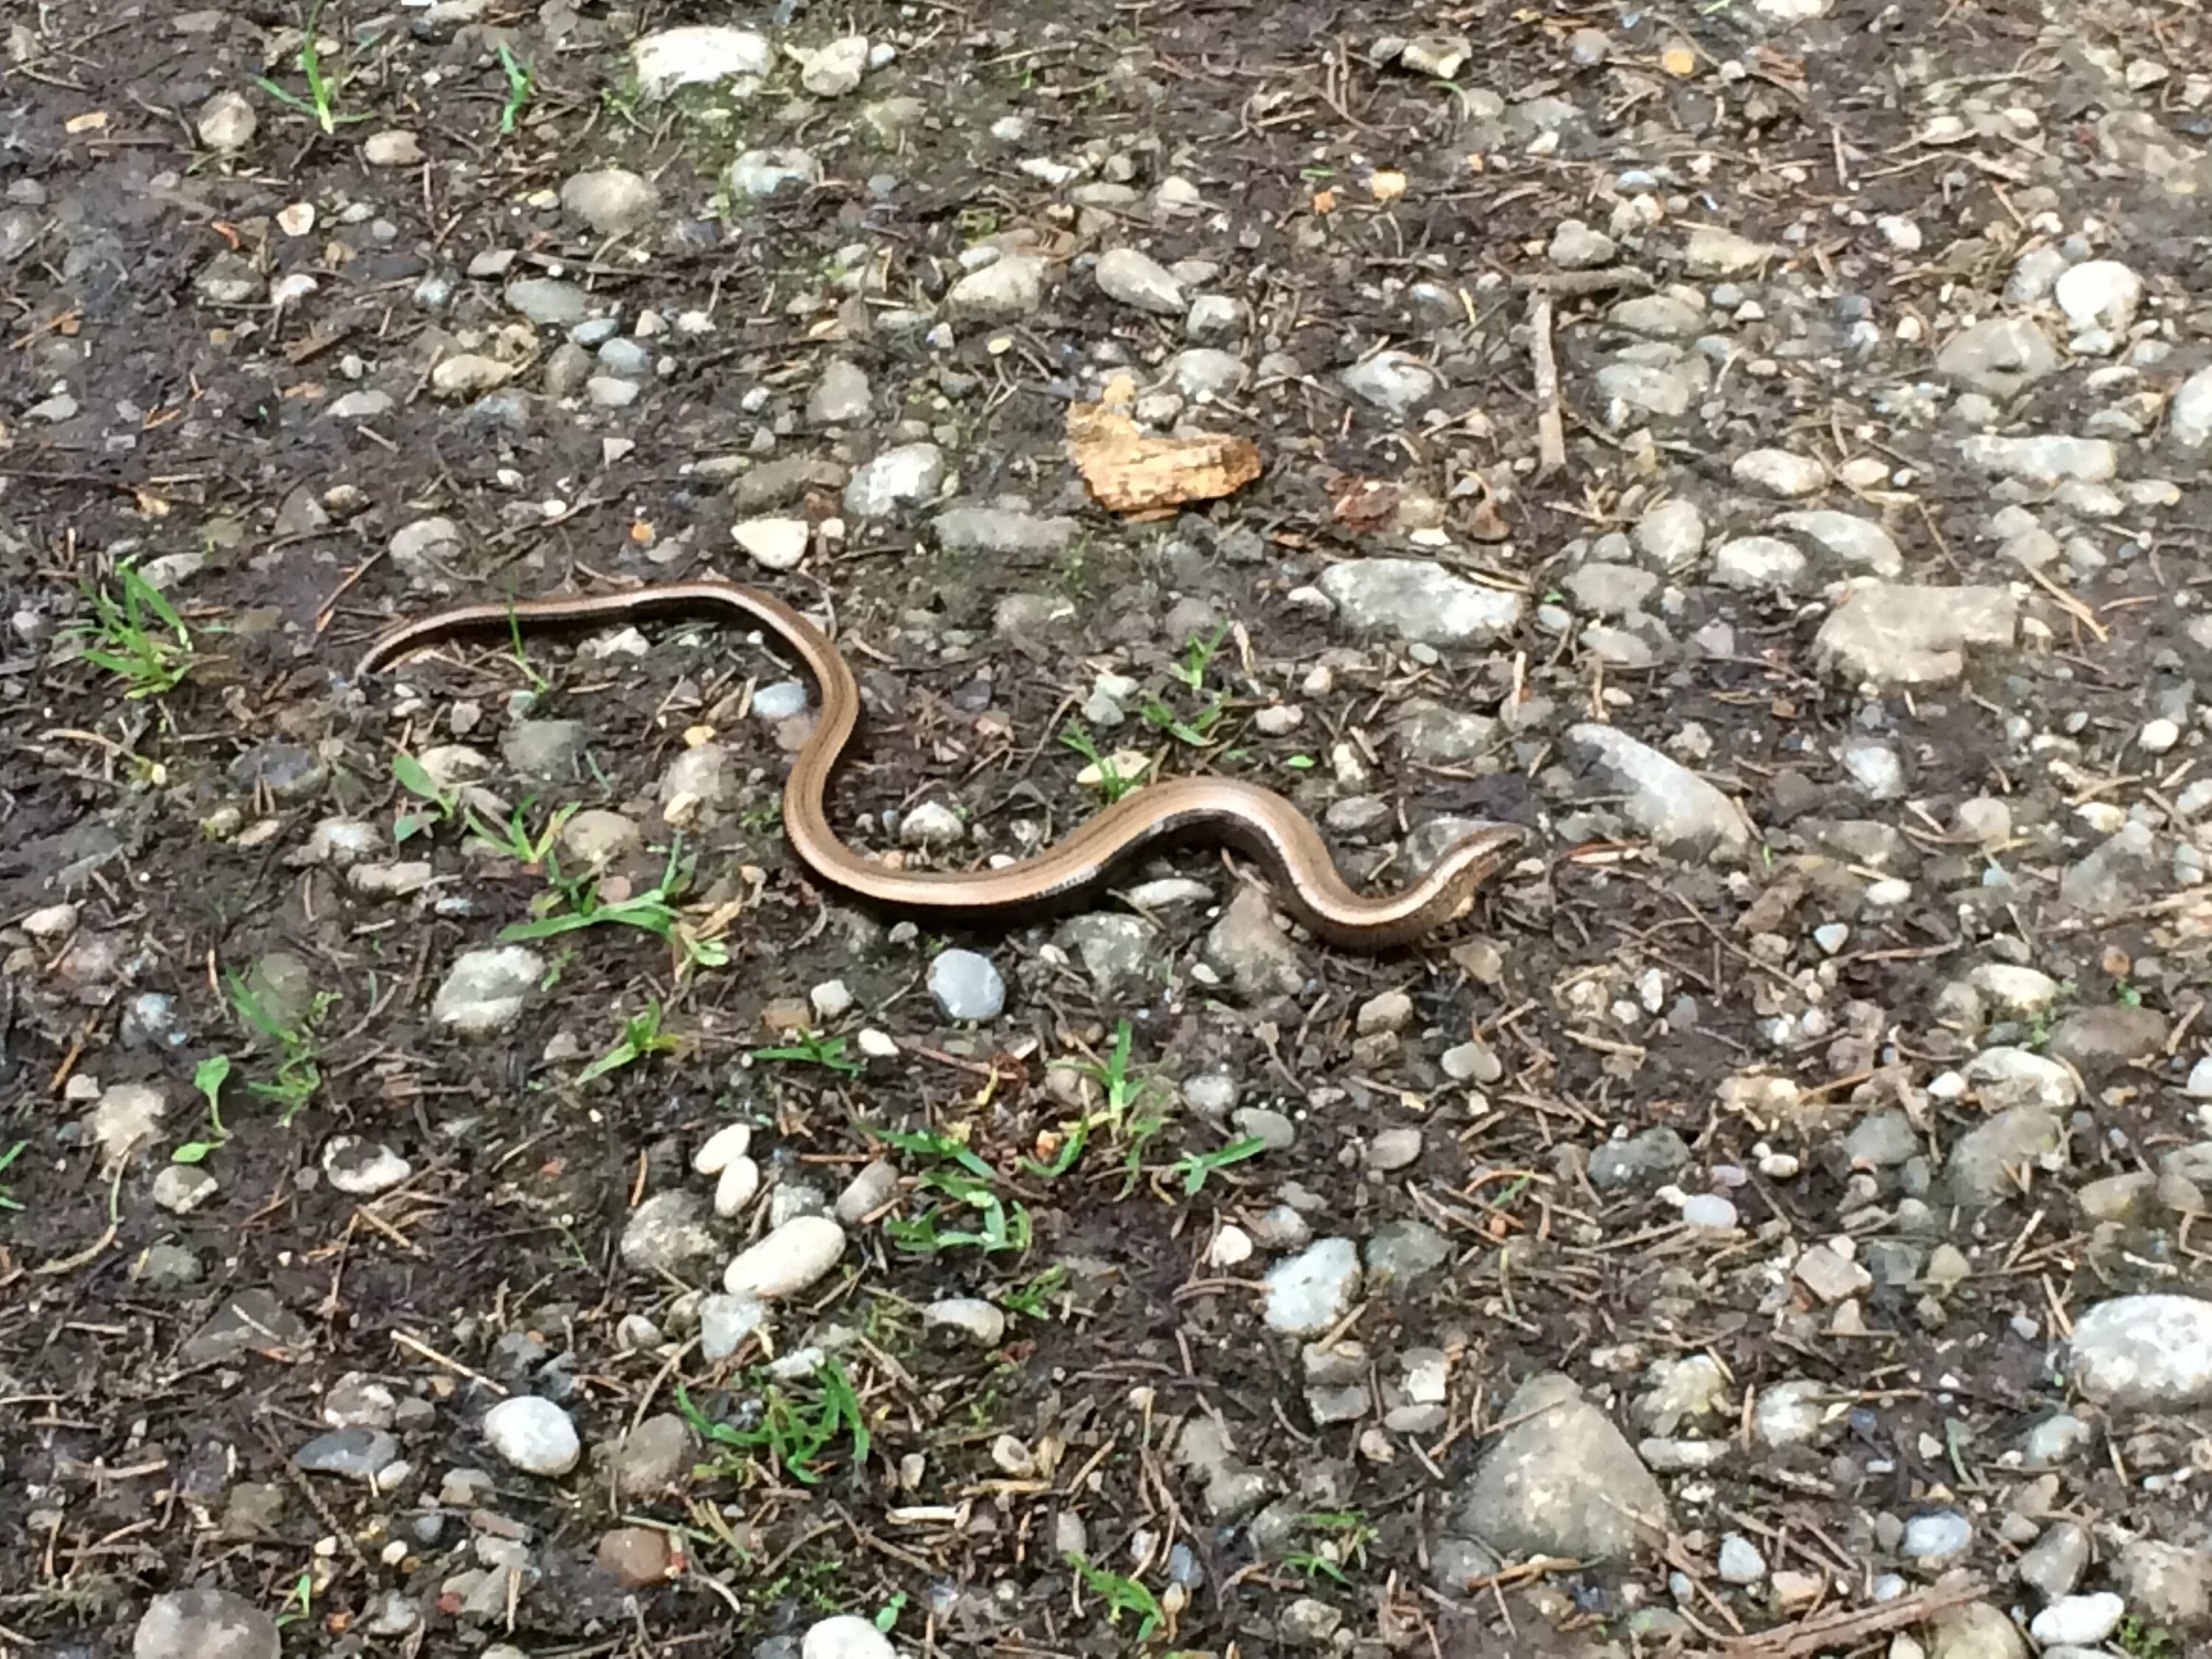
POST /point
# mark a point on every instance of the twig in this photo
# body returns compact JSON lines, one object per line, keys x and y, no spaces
{"x":1551,"y":427}
{"x":1844,"y":1628}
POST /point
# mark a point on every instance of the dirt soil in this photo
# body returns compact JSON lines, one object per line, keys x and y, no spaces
{"x":1760,"y":449}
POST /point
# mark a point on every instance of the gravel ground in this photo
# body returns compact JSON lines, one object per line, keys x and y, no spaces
{"x":467,"y":1191}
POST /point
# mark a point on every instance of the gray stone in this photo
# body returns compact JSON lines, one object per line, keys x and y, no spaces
{"x":1670,"y":536}
{"x":841,"y":396}
{"x":758,"y":174}
{"x":965,"y":986}
{"x":1010,"y":287}
{"x":2144,"y":1351}
{"x":905,"y":476}
{"x":2045,"y":458}
{"x":485,"y":991}
{"x":2189,"y":415}
{"x":846,"y":1636}
{"x":533,"y":1434}
{"x":1714,"y":251}
{"x":2054,"y":1567}
{"x":1418,"y":601}
{"x":2097,"y":1041}
{"x":1901,"y":635}
{"x":1403,"y":1254}
{"x":356,"y":1454}
{"x":205,"y":1624}
{"x":1667,"y":391}
{"x":1983,"y":1160}
{"x":1780,"y":472}
{"x":1670,"y":316}
{"x":2112,"y":877}
{"x":666,"y":1233}
{"x":1684,"y":815}
{"x":2166,"y":1583}
{"x":1859,"y":547}
{"x":2000,"y":356}
{"x":1250,"y":952}
{"x":610,"y":201}
{"x":1392,"y":381}
{"x":1310,"y":1293}
{"x":253,"y":1322}
{"x":1976,"y":1631}
{"x":1882,"y":1140}
{"x":653,"y":1457}
{"x":726,"y":1321}
{"x":1643,"y":1160}
{"x":1561,"y":1480}
{"x":1759,"y":563}
{"x":1116,"y":951}
{"x":227,"y":121}
{"x":1136,"y":279}
{"x":999,"y":530}
{"x":548,"y":301}
{"x":699,"y":55}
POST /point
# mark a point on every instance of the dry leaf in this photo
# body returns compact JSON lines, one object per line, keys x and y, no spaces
{"x":1324,"y":201}
{"x":1679,"y":62}
{"x":1129,"y":472}
{"x":1363,"y":506}
{"x":1388,"y":186}
{"x":91,"y":121}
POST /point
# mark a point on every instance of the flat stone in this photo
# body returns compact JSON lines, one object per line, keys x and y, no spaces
{"x":1137,"y":279}
{"x":2045,"y":459}
{"x":2148,"y":1351}
{"x":698,"y":55}
{"x":2000,"y":356}
{"x":905,"y":476}
{"x":485,"y":992}
{"x":610,"y":201}
{"x":1010,"y":288}
{"x":1561,"y":1480}
{"x":795,"y":1257}
{"x":999,"y":530}
{"x":1901,"y":635}
{"x":205,"y":1624}
{"x":1680,"y":810}
{"x":1310,"y":1293}
{"x":1984,"y":1161}
{"x":1419,"y":601}
{"x":1391,"y":381}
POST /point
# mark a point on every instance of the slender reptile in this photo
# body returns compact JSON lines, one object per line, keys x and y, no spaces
{"x":1256,"y":820}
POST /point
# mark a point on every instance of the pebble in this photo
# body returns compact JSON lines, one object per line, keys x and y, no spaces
{"x":773,"y":543}
{"x":533,"y":1434}
{"x":610,"y":201}
{"x":699,"y":55}
{"x":227,"y":121}
{"x":795,"y":1257}
{"x":485,"y":991}
{"x":2151,"y":1350}
{"x":1308,"y":1293}
{"x":723,"y":1147}
{"x":1780,"y":472}
{"x":1393,"y":382}
{"x":847,"y":1636}
{"x":867,"y":1192}
{"x":2078,"y":1620}
{"x":965,"y":986}
{"x":205,"y":1624}
{"x":726,"y":1321}
{"x":1679,"y":810}
{"x":738,"y":1184}
{"x":903,"y":476}
{"x":1393,"y":1150}
{"x":1004,"y":292}
{"x":1418,"y":601}
{"x":1560,"y":1480}
{"x":969,"y":1318}
{"x":1136,"y":279}
{"x":362,"y":1168}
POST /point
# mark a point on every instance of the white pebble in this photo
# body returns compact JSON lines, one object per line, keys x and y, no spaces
{"x":532,"y":1434}
{"x":795,"y":1255}
{"x":721,"y":1147}
{"x":2158,"y":736}
{"x":740,"y":1181}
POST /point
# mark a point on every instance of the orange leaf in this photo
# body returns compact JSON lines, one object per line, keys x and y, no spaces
{"x":1129,"y":472}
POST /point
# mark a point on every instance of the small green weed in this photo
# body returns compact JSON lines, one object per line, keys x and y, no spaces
{"x":795,"y":1434}
{"x":641,"y":1037}
{"x":439,"y":804}
{"x":1198,"y":656}
{"x":1129,"y":1113}
{"x":323,"y":91}
{"x":1345,"y":1536}
{"x":135,"y":635}
{"x":1196,"y":730}
{"x":299,"y":1601}
{"x":960,"y":1183}
{"x":1195,"y":1167}
{"x":2141,"y":1641}
{"x":208,"y":1077}
{"x":1113,"y":782}
{"x":1120,"y":1594}
{"x":6,"y":1158}
{"x":513,"y":839}
{"x":812,"y":1049}
{"x":1032,"y":1298}
{"x":521,"y":82}
{"x":298,"y":1061}
{"x":574,"y":903}
{"x":887,"y":1615}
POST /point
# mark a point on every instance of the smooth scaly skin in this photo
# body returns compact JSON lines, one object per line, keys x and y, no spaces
{"x":1256,"y":820}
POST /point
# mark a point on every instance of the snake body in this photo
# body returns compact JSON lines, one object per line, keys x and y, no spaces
{"x":1256,"y":820}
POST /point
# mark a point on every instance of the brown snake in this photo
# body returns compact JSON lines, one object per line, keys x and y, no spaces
{"x":1256,"y":820}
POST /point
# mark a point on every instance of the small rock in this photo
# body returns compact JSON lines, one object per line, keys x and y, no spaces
{"x":846,"y":1637}
{"x":905,"y":475}
{"x":2151,"y":1350}
{"x":2001,"y":356}
{"x":636,"y":1556}
{"x":610,"y":201}
{"x":699,"y":55}
{"x":1010,"y":288}
{"x":666,"y":1233}
{"x":533,"y":1434}
{"x":796,"y":1256}
{"x":1392,"y":381}
{"x":1683,"y":813}
{"x":362,"y":1168}
{"x":969,"y":1318}
{"x":1136,"y":279}
{"x":1310,"y":1293}
{"x":1418,"y":601}
{"x":227,"y":121}
{"x":2078,"y":1620}
{"x":1780,"y":472}
{"x":394,"y":149}
{"x":773,"y":543}
{"x":1561,"y":1480}
{"x":965,"y":986}
{"x":2099,"y":294}
{"x":205,"y":1624}
{"x":841,"y":396}
{"x":485,"y":991}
